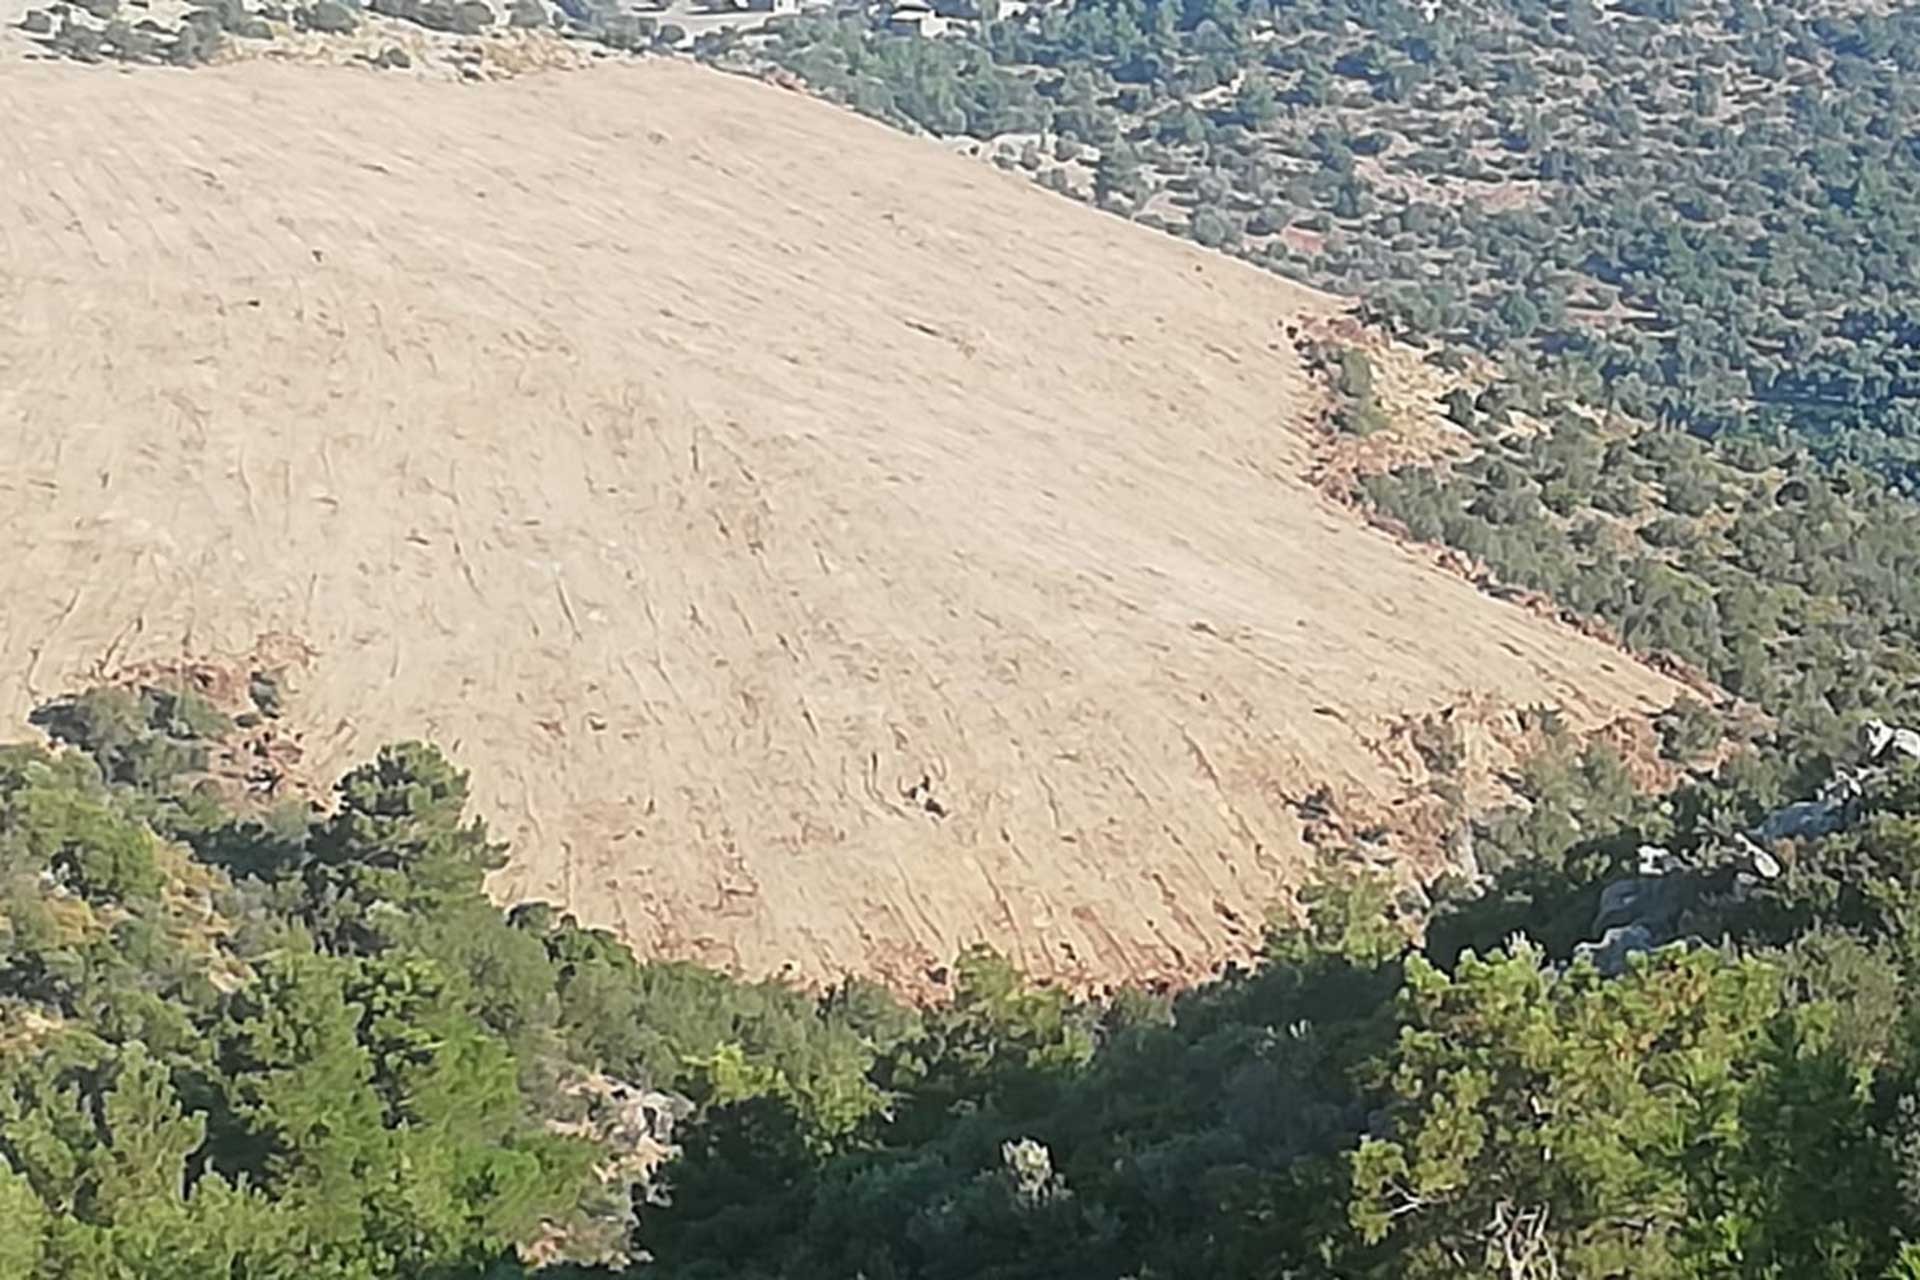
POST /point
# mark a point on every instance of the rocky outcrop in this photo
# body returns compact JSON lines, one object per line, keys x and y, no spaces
{"x":1651,"y":907}
{"x":1881,"y":739}
{"x":1609,"y":954}
{"x":1834,"y":809}
{"x":633,"y":1128}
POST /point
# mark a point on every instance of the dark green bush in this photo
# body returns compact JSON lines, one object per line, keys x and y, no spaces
{"x":329,"y":17}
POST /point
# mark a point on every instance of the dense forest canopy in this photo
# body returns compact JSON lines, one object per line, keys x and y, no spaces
{"x":255,"y":1037}
{"x":1788,"y":584}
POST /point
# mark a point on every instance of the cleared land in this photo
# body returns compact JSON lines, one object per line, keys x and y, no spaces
{"x":705,"y":467}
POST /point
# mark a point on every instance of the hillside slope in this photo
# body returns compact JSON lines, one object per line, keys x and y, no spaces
{"x":705,"y":467}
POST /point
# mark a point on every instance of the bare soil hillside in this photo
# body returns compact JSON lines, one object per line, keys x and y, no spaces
{"x":824,"y":551}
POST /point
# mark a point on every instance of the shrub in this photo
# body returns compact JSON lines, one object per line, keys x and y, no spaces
{"x":128,"y":43}
{"x":193,"y":44}
{"x":268,"y":691}
{"x":1268,"y":220}
{"x":1667,"y":531}
{"x":230,"y":16}
{"x":470,"y":17}
{"x":78,"y":42}
{"x":1354,"y":377}
{"x":1688,"y":730}
{"x":1359,"y":417}
{"x":329,"y":17}
{"x":114,"y":863}
{"x":1213,"y":229}
{"x":1461,"y":409}
{"x":185,"y":714}
{"x":1689,"y":493}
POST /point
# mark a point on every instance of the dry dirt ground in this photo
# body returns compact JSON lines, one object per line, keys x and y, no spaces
{"x":705,"y":467}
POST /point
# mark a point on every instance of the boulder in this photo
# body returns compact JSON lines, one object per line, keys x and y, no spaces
{"x":1656,"y":860}
{"x":1805,"y":819}
{"x":1879,"y":738}
{"x":1609,"y":955}
{"x":1651,"y":902}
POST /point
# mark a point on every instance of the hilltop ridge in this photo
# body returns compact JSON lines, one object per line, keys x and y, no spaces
{"x":825,"y":552}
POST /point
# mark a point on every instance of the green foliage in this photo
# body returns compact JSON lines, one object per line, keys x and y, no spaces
{"x":1461,"y":409}
{"x":1213,"y":229}
{"x":1255,"y":102}
{"x":329,"y":17}
{"x":354,"y":1066}
{"x":942,"y":86}
{"x":140,"y":737}
{"x":201,"y":34}
{"x":346,"y":1061}
{"x":101,"y":1181}
{"x":246,"y":1040}
{"x":1688,"y":730}
{"x":459,"y":17}
{"x":1713,"y":219}
{"x":721,"y":1042}
{"x":1353,"y":374}
{"x":1794,"y":587}
{"x":1649,"y":1126}
{"x":1355,"y":411}
{"x":57,"y":821}
{"x":1038,"y":1136}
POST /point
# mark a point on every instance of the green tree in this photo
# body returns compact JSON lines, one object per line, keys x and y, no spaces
{"x":1574,"y":1126}
{"x":1116,"y":176}
{"x":1460,"y":408}
{"x":1254,"y":102}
